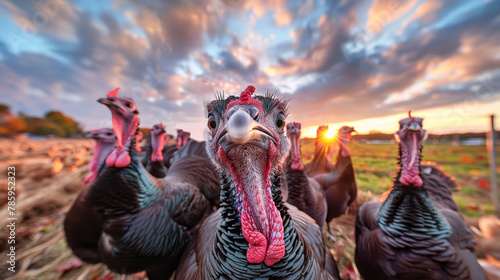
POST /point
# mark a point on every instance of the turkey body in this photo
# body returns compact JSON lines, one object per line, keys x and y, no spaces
{"x":306,"y":194}
{"x":83,"y":227}
{"x":414,"y":233}
{"x":145,"y":223}
{"x":413,"y":239}
{"x":148,"y":223}
{"x":339,"y":186}
{"x":219,"y":251}
{"x":303,"y":192}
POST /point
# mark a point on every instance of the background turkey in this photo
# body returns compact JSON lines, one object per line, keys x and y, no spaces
{"x":154,"y":157}
{"x":304,"y":192}
{"x":105,"y":140}
{"x":323,"y":153}
{"x":82,"y":224}
{"x":410,"y":235}
{"x":339,"y":185}
{"x":181,"y":140}
{"x":146,"y":223}
{"x":254,"y":234}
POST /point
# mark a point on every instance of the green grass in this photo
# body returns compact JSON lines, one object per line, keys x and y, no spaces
{"x":376,"y":165}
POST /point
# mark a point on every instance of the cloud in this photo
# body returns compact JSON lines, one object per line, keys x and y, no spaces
{"x":338,"y":60}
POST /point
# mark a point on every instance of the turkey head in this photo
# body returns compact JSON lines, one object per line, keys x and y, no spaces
{"x":157,"y":142}
{"x":125,"y":123}
{"x":249,"y":145}
{"x":410,"y":137}
{"x":105,"y":140}
{"x":344,"y":137}
{"x":182,"y":138}
{"x":293,"y":134}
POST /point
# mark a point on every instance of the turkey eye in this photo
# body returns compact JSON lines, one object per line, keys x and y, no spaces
{"x":109,"y":133}
{"x":212,"y":124}
{"x":280,"y":121}
{"x":128,"y":104}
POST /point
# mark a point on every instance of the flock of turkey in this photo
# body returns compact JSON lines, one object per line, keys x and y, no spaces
{"x":241,"y":205}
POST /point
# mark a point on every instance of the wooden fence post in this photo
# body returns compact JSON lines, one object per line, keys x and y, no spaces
{"x":491,"y":145}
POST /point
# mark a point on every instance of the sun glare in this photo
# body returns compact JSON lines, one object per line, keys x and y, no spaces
{"x":330,"y":133}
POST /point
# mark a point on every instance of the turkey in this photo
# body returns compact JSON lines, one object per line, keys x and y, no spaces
{"x":339,"y":185}
{"x":254,"y":234}
{"x":304,"y":192}
{"x":154,"y":155}
{"x":146,"y":223}
{"x":169,"y":151}
{"x":323,"y":153}
{"x":104,"y":142}
{"x":183,"y":138}
{"x":409,"y":235}
{"x":82,"y":224}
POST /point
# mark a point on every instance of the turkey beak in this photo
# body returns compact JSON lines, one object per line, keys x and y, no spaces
{"x":106,"y":101}
{"x":162,"y":130}
{"x":91,"y":134}
{"x":110,"y":102}
{"x":414,"y":127}
{"x":242,"y":128}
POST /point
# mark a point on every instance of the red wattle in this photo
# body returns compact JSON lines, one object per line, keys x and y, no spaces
{"x":263,"y":228}
{"x":297,"y":165}
{"x":118,"y":158}
{"x":257,"y":242}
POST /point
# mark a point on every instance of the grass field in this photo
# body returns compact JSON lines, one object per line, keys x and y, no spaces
{"x":376,"y":164}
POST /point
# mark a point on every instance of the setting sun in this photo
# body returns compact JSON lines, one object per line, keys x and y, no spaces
{"x":331,"y":133}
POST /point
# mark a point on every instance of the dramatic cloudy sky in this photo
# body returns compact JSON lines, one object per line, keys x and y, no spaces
{"x":363,"y":62}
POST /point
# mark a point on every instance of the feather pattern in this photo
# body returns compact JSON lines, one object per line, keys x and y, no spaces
{"x":222,"y":247}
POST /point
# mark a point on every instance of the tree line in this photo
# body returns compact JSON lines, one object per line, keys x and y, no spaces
{"x":52,"y":123}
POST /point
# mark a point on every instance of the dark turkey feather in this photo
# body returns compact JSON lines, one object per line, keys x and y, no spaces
{"x":432,"y":168}
{"x":219,"y":252}
{"x":339,"y":186}
{"x":147,"y":222}
{"x":439,"y":191}
{"x":306,"y":194}
{"x":168,"y":153}
{"x":83,"y":240}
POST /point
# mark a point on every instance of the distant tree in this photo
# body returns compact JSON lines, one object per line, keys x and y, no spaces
{"x":66,"y":123}
{"x":9,"y":123}
{"x":4,"y":108}
{"x":14,"y":125}
{"x":38,"y":126}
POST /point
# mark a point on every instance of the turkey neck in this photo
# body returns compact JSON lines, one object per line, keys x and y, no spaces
{"x":101,"y":151}
{"x":230,"y":233}
{"x":409,"y":212}
{"x":125,"y":130}
{"x":296,"y":160}
{"x":343,"y":156}
{"x":157,"y":144}
{"x":320,"y":157}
